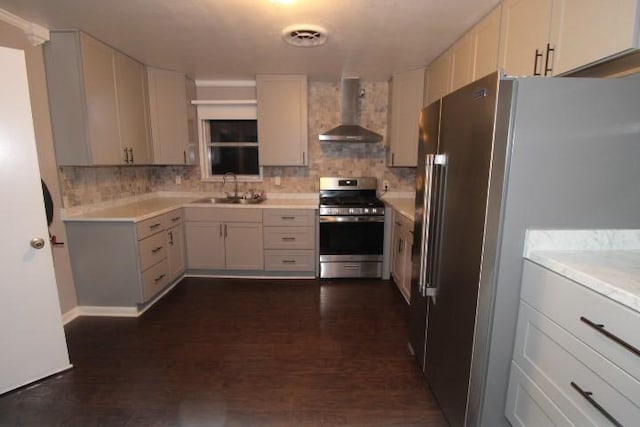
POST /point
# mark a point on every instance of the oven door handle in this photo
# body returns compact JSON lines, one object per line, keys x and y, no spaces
{"x":352,"y":218}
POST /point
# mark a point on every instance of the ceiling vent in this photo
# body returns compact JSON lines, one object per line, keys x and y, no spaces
{"x":304,"y":35}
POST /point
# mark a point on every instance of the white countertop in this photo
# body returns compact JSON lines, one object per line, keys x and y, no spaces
{"x":401,"y":202}
{"x":605,"y":261}
{"x":139,"y":208}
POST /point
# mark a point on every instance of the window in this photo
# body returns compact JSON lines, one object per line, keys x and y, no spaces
{"x":233,"y":147}
{"x":229,"y":141}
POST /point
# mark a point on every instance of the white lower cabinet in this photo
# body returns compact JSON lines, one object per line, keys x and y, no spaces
{"x":290,"y":240}
{"x":402,"y":243}
{"x":565,"y":370}
{"x":224,"y":238}
{"x":123,"y":264}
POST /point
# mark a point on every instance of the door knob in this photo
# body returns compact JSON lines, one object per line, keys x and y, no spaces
{"x":37,"y":242}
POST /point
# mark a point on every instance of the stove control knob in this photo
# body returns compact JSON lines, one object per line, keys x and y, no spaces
{"x":366,"y":210}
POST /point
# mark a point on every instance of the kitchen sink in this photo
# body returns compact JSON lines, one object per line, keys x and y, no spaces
{"x":231,"y":200}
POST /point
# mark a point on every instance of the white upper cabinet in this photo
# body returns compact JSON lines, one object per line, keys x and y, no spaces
{"x":474,"y":55}
{"x":462,"y":61}
{"x":553,"y":37}
{"x":132,"y":108}
{"x":97,"y":98}
{"x":486,"y":37}
{"x":407,"y":96}
{"x":526,"y":32}
{"x":282,"y":120}
{"x":591,"y":30}
{"x":168,"y":110}
{"x":438,"y":78}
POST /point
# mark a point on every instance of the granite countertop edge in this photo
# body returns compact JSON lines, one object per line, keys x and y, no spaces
{"x":604,"y":261}
{"x":136,"y":209}
{"x":401,"y":202}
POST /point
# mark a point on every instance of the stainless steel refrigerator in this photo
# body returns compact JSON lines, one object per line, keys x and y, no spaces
{"x":497,"y":157}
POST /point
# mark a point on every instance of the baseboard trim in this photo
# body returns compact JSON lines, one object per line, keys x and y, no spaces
{"x":87,"y":310}
{"x":70,"y":315}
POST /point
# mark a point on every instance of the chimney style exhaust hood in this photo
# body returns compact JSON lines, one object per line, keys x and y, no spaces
{"x":349,"y":130}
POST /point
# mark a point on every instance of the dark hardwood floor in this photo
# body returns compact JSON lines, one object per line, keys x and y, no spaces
{"x":217,"y":352}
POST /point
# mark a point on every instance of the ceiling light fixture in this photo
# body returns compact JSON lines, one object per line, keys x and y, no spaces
{"x":304,"y":35}
{"x":282,"y":2}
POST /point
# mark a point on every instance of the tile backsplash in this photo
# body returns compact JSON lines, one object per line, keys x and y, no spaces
{"x":86,"y":185}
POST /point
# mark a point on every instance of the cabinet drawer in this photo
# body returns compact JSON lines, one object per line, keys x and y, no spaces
{"x":527,"y":405}
{"x":566,"y":302}
{"x":282,"y":260}
{"x":223,"y":214}
{"x":559,"y":363}
{"x":154,"y":279}
{"x":289,"y":217}
{"x":150,"y":226}
{"x":289,"y":238}
{"x":151,"y":250}
{"x":174,"y":218}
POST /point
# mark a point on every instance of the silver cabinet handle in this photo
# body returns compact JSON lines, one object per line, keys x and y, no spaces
{"x":37,"y":243}
{"x":288,"y":239}
{"x":225,"y":231}
{"x":171,"y":237}
{"x":159,"y":278}
{"x":288,"y":261}
{"x":287,"y":218}
{"x":156,"y":250}
{"x":537,"y":56}
{"x":154,"y":226}
{"x":126,"y":156}
{"x":131,"y":152}
{"x":220,"y":230}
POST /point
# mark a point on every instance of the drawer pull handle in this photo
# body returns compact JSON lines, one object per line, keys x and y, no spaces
{"x":588,"y":396}
{"x":151,"y":227}
{"x":156,"y":249}
{"x":160,"y":277}
{"x":288,"y":239}
{"x":288,"y":261}
{"x":176,"y":218}
{"x":288,"y":218}
{"x":600,"y":328}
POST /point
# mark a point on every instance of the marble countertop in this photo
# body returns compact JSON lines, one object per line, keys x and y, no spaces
{"x":605,"y":261}
{"x":135,"y":209}
{"x":402,"y":202}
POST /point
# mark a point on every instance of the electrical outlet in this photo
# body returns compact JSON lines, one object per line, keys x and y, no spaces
{"x":385,"y":185}
{"x":277,"y":180}
{"x":178,"y":180}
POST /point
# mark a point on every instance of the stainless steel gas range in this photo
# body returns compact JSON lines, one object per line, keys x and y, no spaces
{"x":351,"y":228}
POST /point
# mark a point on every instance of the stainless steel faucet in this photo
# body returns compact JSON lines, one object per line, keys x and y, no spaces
{"x":235,"y":180}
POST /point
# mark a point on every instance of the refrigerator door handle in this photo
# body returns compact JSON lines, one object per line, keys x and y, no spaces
{"x":426,"y":219}
{"x":437,"y":190}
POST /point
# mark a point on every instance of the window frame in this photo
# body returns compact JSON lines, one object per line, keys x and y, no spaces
{"x":224,"y":110}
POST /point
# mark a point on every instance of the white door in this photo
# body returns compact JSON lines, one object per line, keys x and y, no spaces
{"x":31,"y":333}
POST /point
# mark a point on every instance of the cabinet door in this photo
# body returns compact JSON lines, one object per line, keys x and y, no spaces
{"x":132,"y":108}
{"x":406,"y":102}
{"x":101,"y":101}
{"x":438,"y":78}
{"x":526,"y":28}
{"x":282,"y":120}
{"x":589,"y":30}
{"x":244,"y":248}
{"x":206,"y":245}
{"x":168,"y":114}
{"x":175,"y":253}
{"x":487,"y":44}
{"x":462,"y":62}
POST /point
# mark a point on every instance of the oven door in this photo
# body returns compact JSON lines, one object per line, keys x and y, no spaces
{"x":351,"y":246}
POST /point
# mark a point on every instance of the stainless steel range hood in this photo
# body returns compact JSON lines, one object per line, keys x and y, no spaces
{"x":349,"y":130}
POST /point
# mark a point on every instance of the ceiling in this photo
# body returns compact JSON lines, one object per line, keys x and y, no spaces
{"x":235,"y":39}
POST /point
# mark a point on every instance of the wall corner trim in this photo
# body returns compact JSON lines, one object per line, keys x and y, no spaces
{"x":36,"y":34}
